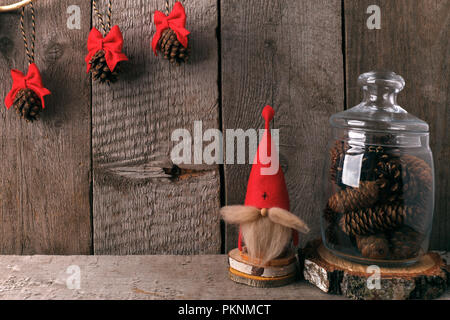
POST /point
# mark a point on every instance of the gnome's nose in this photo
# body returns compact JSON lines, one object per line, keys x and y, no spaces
{"x":264,"y":212}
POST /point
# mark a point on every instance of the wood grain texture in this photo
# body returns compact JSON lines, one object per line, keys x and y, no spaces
{"x":414,"y":42}
{"x":44,"y":176}
{"x":287,"y":54}
{"x":139,"y":277}
{"x":163,"y":277}
{"x":137,"y":208}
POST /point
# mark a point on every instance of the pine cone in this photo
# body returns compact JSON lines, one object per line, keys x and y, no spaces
{"x":373,"y":220}
{"x":420,"y":220}
{"x":405,"y":243}
{"x":370,"y":160}
{"x":100,"y":69}
{"x":352,"y":199}
{"x":337,"y":154}
{"x":389,"y":177}
{"x":386,"y":139}
{"x":329,"y":215}
{"x":28,"y":104}
{"x":374,"y":246}
{"x":172,"y":49}
{"x":417,"y":177}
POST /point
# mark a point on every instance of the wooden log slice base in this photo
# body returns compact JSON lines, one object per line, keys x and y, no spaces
{"x":426,"y":279}
{"x":276,"y":273}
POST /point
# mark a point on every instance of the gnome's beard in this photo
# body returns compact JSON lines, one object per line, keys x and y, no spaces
{"x":264,"y":239}
{"x":266,"y":232}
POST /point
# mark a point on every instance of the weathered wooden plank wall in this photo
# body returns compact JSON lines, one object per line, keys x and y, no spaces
{"x":287,"y":54}
{"x":45,"y":170}
{"x":97,"y":180}
{"x":414,"y":42}
{"x":132,"y":125}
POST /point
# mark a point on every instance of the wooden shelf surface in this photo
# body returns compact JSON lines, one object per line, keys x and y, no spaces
{"x":136,"y":277}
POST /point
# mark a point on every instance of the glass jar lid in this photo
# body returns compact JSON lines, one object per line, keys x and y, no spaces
{"x":379,"y":111}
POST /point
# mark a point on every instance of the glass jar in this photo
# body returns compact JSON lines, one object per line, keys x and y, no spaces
{"x":379,"y":182}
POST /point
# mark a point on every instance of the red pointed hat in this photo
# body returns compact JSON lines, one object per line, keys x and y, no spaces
{"x":266,"y":186}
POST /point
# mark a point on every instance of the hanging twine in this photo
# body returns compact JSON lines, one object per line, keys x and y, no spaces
{"x":167,"y":7}
{"x":100,"y":16}
{"x":29,"y":52}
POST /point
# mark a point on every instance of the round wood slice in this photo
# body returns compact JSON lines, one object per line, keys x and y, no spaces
{"x":278,"y":272}
{"x":426,"y":279}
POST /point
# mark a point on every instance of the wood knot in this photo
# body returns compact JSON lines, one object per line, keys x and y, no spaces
{"x":174,"y":171}
{"x":270,"y":44}
{"x":53,"y":51}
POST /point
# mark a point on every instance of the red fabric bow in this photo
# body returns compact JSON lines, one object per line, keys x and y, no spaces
{"x":176,"y":21}
{"x":31,"y":81}
{"x":112,"y":44}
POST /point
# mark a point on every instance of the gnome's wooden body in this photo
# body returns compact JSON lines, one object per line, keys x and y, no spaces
{"x":264,"y":257}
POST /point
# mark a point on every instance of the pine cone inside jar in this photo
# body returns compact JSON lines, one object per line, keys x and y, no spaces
{"x":385,"y":139}
{"x":351,"y":199}
{"x":370,"y":159}
{"x":405,"y":243}
{"x":373,"y":246}
{"x":172,"y":49}
{"x":374,"y":220}
{"x":337,"y":154}
{"x":329,"y":215}
{"x":28,"y":105}
{"x":420,"y":219}
{"x":417,"y":177}
{"x":389,"y":177}
{"x":100,"y":70}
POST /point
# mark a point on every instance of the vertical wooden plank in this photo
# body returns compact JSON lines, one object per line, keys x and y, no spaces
{"x":288,"y":54}
{"x":138,"y":209}
{"x":414,"y":42}
{"x":44,"y":176}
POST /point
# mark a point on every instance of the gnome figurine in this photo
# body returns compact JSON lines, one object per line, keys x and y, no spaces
{"x":266,"y":227}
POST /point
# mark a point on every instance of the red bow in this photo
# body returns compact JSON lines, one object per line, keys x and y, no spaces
{"x":31,"y":81}
{"x":112,"y":44}
{"x":176,"y":21}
